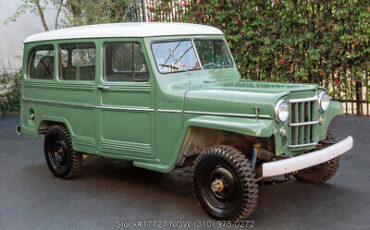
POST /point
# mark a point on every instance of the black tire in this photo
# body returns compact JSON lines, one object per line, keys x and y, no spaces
{"x":320,"y":173}
{"x":62,"y":160}
{"x":238,"y":196}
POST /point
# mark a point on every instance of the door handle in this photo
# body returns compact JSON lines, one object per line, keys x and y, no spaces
{"x":103,"y":87}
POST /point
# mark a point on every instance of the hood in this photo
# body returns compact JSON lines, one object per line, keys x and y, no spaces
{"x":241,"y":97}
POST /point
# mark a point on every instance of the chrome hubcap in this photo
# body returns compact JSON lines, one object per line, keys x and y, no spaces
{"x":59,"y":153}
{"x":217,"y":185}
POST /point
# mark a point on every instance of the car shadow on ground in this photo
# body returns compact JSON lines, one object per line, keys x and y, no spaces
{"x":275,"y":200}
{"x":123,"y":172}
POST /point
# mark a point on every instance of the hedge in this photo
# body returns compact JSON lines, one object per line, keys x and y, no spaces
{"x":10,"y":84}
{"x":286,"y":40}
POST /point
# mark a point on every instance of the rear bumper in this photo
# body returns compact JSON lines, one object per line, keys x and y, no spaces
{"x":281,"y":167}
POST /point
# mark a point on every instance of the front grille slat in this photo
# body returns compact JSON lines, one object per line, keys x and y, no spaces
{"x":301,"y":115}
{"x":308,"y":130}
{"x":296,"y":128}
{"x":302,"y":122}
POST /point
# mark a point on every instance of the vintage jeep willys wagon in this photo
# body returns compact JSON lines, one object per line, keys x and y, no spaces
{"x":166,"y":95}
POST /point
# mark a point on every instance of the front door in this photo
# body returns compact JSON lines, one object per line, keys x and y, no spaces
{"x":125,"y":105}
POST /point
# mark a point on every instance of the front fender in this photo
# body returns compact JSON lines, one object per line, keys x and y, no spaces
{"x":335,"y":109}
{"x":247,"y":126}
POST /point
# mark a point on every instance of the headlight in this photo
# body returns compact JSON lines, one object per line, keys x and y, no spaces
{"x":324,"y":101}
{"x":282,"y":111}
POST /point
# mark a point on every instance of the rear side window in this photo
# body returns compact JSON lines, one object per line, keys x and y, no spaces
{"x":77,"y":62}
{"x":125,"y":62}
{"x":41,"y":63}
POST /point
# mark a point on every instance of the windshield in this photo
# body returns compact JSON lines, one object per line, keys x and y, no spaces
{"x":177,"y":56}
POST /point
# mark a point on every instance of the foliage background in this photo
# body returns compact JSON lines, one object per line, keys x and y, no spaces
{"x":289,"y":40}
{"x":317,"y":41}
{"x":10,"y":82}
{"x":79,"y":12}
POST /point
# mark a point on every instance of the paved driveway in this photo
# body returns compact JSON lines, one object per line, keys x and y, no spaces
{"x":111,"y":194}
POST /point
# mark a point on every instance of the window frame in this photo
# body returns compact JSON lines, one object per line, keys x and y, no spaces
{"x":60,"y":44}
{"x":104,"y":61}
{"x":195,"y":50}
{"x":33,"y":52}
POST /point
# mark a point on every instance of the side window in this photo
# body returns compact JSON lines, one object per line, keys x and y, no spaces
{"x":77,"y":62}
{"x":41,"y":63}
{"x":125,"y":62}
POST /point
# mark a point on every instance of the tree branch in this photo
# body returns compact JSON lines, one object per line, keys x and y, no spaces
{"x":58,"y":13}
{"x":41,"y":13}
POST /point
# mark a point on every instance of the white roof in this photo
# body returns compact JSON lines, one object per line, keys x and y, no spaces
{"x":135,"y":29}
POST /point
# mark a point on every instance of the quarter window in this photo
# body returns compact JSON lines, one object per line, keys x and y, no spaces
{"x":77,"y":62}
{"x":125,"y":62}
{"x":41,"y":63}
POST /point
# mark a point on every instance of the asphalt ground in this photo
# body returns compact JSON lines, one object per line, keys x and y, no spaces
{"x":112,"y":194}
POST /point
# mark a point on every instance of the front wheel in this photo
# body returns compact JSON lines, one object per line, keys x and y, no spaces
{"x":224,"y":183}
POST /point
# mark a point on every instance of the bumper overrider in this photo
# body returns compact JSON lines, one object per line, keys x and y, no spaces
{"x":307,"y":160}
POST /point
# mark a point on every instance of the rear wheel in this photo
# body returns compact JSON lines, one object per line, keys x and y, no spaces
{"x":60,"y":157}
{"x":224,"y":183}
{"x":320,"y":173}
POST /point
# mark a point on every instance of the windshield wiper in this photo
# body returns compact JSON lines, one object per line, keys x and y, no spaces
{"x":170,"y":66}
{"x":176,"y":68}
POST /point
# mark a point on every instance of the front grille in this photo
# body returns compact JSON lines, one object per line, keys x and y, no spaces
{"x":304,"y":117}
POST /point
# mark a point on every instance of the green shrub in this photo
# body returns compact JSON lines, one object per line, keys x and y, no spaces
{"x":10,"y":83}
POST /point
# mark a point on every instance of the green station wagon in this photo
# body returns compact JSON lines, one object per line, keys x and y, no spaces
{"x":168,"y":95}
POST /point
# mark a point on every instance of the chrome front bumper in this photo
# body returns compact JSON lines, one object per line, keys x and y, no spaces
{"x":293,"y":164}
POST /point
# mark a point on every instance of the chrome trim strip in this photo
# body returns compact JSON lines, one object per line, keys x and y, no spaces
{"x":87,"y":85}
{"x":303,"y":145}
{"x":140,"y":109}
{"x":305,"y":123}
{"x":146,"y":109}
{"x":169,"y":111}
{"x":58,"y":103}
{"x":227,"y":114}
{"x":315,"y":98}
{"x":213,"y":113}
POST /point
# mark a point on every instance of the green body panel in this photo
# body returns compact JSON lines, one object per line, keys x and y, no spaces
{"x":334,"y":110}
{"x":147,"y":122}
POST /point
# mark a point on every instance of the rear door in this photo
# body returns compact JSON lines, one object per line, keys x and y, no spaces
{"x":125,"y":101}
